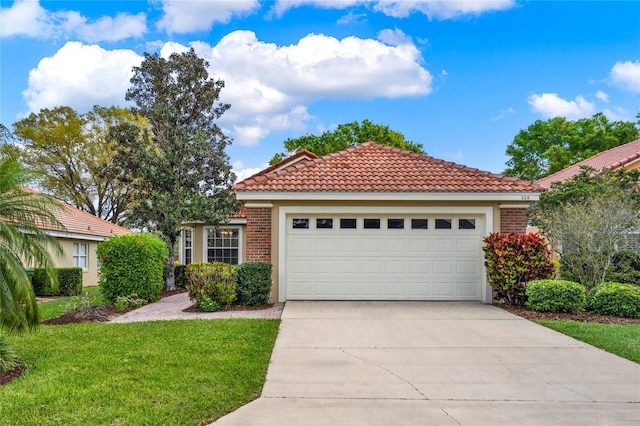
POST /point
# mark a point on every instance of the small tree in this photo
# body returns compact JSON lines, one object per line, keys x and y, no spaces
{"x":179,"y":169}
{"x":587,"y":219}
{"x":512,"y":260}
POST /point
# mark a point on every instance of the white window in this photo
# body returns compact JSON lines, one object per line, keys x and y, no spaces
{"x":80,"y":255}
{"x":223,"y":245}
{"x":187,"y":246}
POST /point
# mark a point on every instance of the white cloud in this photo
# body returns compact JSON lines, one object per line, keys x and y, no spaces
{"x":503,"y":114}
{"x":268,"y":86}
{"x":626,"y":75}
{"x":28,"y":18}
{"x":394,"y":37}
{"x":184,"y":16}
{"x":81,"y":76}
{"x":433,"y":9}
{"x":243,"y":173}
{"x":551,"y":105}
{"x":451,"y":156}
{"x":352,"y":18}
{"x":602,"y":96}
{"x":617,"y":114}
{"x":24,"y":18}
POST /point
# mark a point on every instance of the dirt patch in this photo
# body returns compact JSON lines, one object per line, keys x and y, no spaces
{"x":9,"y":376}
{"x":102,"y":313}
{"x":232,"y":307}
{"x":530,"y":314}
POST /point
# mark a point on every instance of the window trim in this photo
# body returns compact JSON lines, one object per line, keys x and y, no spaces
{"x":80,"y":256}
{"x":205,"y":248}
{"x":182,"y":256}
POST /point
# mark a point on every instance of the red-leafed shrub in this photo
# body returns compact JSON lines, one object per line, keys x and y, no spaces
{"x":512,"y":260}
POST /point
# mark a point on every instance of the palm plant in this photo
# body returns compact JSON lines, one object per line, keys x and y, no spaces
{"x":23,"y":214}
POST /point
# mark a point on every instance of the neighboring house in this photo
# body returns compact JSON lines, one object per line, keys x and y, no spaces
{"x":368,"y":223}
{"x":625,"y":156}
{"x":80,"y":240}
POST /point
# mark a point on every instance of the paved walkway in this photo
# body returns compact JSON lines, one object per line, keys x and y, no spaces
{"x":404,"y":363}
{"x":171,"y":308}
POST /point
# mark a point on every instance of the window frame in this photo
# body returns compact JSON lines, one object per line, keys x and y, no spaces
{"x":205,"y":243}
{"x":76,"y":255}
{"x":183,"y":244}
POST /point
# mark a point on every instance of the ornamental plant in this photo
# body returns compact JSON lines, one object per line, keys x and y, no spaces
{"x":215,"y":280}
{"x":622,"y":300}
{"x":512,"y":260}
{"x":555,"y":296}
{"x":254,"y":283}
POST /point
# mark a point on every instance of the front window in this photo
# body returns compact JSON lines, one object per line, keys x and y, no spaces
{"x":187,"y":244}
{"x":223,"y":245}
{"x":80,"y":255}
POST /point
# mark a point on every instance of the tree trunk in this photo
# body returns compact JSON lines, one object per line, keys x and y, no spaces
{"x":170,"y":284}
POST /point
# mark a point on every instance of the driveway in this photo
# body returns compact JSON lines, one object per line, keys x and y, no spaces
{"x":435,"y":363}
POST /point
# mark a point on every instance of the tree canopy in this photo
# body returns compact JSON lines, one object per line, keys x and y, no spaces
{"x":546,"y":147}
{"x":75,"y":156}
{"x":179,"y":168}
{"x":345,"y":136}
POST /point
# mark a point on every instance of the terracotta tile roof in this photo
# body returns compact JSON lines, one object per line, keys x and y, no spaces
{"x":77,"y":221}
{"x":240,"y":214}
{"x":611,"y":159}
{"x":299,"y":157}
{"x":372,"y":167}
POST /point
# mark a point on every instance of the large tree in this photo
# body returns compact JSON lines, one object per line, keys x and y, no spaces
{"x":75,"y":155}
{"x":179,"y":169}
{"x":345,"y":136}
{"x":588,"y":219}
{"x":22,"y":242}
{"x":546,"y":147}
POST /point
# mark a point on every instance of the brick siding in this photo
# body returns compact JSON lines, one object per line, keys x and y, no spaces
{"x":258,"y":235}
{"x":513,"y":220}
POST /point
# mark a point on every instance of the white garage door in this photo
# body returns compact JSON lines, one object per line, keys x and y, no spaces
{"x":384,"y":257}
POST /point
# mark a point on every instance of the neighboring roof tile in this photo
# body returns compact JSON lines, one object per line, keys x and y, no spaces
{"x":372,"y":167}
{"x":77,"y":221}
{"x":240,"y":214}
{"x":299,"y":157}
{"x":611,"y":159}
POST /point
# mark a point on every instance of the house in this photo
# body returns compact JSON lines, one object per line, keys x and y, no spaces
{"x":625,"y":156}
{"x":80,"y":240}
{"x":371,"y":222}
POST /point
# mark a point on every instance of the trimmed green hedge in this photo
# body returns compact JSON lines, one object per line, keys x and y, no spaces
{"x":555,"y":296}
{"x":132,"y":264}
{"x":253,"y":283}
{"x":69,"y":282}
{"x":622,"y":300}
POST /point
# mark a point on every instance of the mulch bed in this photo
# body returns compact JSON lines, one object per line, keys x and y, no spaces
{"x":530,"y":314}
{"x":102,"y":313}
{"x":9,"y":376}
{"x":232,"y":307}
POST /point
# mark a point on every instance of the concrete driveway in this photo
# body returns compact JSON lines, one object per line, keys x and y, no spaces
{"x":436,"y":363}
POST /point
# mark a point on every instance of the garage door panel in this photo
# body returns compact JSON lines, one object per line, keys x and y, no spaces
{"x":384,"y":264}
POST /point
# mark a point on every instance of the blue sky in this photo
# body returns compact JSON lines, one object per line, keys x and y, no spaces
{"x":462,"y":77}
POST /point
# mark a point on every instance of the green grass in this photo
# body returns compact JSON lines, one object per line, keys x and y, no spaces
{"x":55,"y":308}
{"x":152,"y":373}
{"x":622,"y":340}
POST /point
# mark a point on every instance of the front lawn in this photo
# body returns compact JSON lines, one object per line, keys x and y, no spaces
{"x":153,"y":373}
{"x":55,"y":308}
{"x":622,"y":340}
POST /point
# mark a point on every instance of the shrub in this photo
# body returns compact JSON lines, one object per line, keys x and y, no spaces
{"x":9,"y":360}
{"x":512,"y":260}
{"x":253,"y":283}
{"x":69,"y":282}
{"x":215,"y":280}
{"x":207,"y":304}
{"x":625,"y":268}
{"x":132,"y":264}
{"x":82,"y":304}
{"x":555,"y":296}
{"x":179,"y":274}
{"x":125,"y":303}
{"x":622,"y":300}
